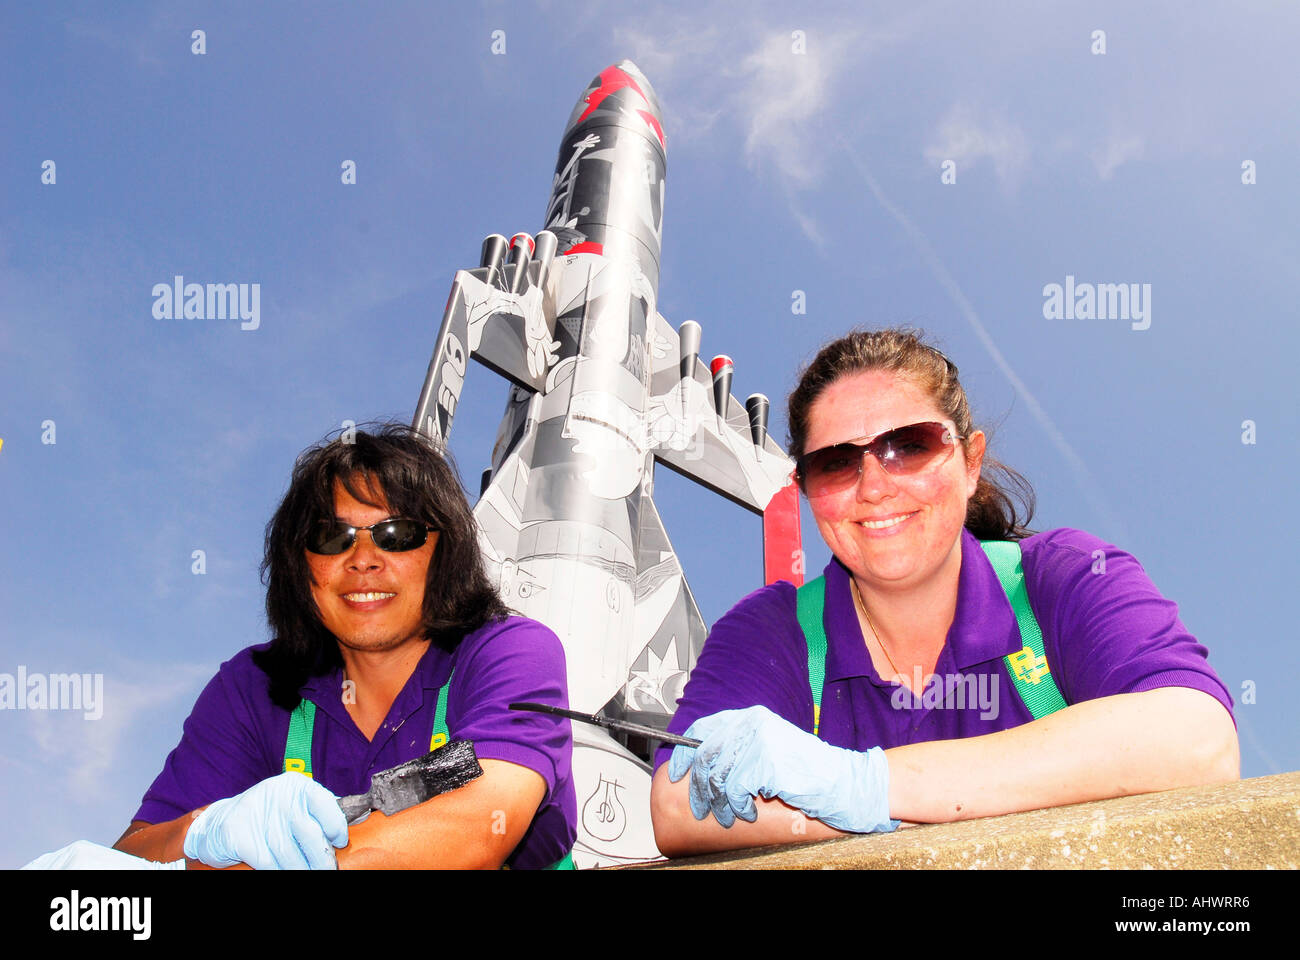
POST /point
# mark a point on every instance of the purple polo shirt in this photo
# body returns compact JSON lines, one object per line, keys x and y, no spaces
{"x":235,"y":736}
{"x":1104,"y":633}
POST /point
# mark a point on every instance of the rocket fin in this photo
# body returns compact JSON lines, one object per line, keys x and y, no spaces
{"x":510,"y":333}
{"x":688,"y":436}
{"x":670,"y":631}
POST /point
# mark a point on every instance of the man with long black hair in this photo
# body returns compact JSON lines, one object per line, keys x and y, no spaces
{"x":387,"y":637}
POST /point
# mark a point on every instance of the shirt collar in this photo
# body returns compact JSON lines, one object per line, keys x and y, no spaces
{"x":431,"y":672}
{"x":983,"y":628}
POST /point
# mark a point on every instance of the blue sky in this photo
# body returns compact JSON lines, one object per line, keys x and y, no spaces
{"x":817,"y":172}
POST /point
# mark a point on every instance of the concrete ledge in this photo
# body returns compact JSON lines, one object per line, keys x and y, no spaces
{"x":1250,"y":824}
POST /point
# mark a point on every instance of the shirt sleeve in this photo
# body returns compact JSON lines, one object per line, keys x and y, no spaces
{"x":221,"y":752}
{"x":755,"y":655}
{"x":517,"y":660}
{"x":1107,"y":624}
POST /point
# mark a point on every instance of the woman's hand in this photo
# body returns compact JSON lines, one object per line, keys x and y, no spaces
{"x":286,"y":822}
{"x":753,"y":752}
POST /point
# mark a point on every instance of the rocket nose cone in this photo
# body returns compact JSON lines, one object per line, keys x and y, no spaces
{"x":620,"y":91}
{"x":642,"y":82}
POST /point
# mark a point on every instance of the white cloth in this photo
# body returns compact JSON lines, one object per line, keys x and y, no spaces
{"x":84,"y":855}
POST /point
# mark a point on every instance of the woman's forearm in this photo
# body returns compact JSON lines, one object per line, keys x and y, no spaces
{"x":679,"y":834}
{"x":1115,"y":746}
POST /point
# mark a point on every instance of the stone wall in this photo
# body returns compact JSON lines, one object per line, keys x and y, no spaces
{"x":1250,"y":824}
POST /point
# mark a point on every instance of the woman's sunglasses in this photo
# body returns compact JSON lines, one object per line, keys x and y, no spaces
{"x":394,"y":535}
{"x":901,"y":451}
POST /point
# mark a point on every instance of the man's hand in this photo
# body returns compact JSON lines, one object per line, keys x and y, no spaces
{"x":753,"y":752}
{"x":286,"y":822}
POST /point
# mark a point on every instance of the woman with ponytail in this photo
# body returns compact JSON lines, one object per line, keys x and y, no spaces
{"x":951,"y":663}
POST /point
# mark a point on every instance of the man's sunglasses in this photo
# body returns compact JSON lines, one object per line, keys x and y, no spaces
{"x":395,"y":535}
{"x":901,"y":451}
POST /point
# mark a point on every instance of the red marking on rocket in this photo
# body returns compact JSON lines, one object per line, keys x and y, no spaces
{"x":611,"y":79}
{"x":649,"y":118}
{"x":721,"y":368}
{"x":521,"y":253}
{"x":782,"y":546}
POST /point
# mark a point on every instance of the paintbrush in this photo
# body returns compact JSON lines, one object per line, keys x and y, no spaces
{"x":625,"y":725}
{"x":452,"y":765}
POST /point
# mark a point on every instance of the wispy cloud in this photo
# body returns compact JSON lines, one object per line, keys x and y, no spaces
{"x":83,"y":750}
{"x":967,"y":137}
{"x":670,"y":61}
{"x":776,"y":88}
{"x":785,"y":91}
{"x":1115,"y":152}
{"x":141,"y":41}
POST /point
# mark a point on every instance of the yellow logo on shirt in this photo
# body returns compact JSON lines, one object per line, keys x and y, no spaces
{"x":294,"y":765}
{"x":1027,"y":666}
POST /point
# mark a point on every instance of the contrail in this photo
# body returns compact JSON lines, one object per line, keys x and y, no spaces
{"x":1091,"y":489}
{"x":1243,"y":726}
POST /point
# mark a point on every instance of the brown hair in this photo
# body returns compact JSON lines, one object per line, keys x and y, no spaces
{"x":418,"y":482}
{"x":991,"y":512}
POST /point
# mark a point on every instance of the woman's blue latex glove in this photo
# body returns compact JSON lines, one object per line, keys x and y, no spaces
{"x":753,"y":752}
{"x":286,"y":822}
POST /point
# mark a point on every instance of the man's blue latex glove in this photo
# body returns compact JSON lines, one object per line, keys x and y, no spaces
{"x":753,"y":752}
{"x":286,"y":822}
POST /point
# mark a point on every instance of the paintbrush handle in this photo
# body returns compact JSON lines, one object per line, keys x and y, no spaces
{"x":652,"y":732}
{"x":626,"y":725}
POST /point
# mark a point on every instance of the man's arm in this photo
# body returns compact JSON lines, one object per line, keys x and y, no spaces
{"x":474,"y":827}
{"x":1113,"y":746}
{"x":163,"y":842}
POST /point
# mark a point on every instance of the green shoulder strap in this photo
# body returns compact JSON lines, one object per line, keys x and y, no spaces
{"x":1028,"y":667}
{"x":810,"y":606}
{"x":297,"y":746}
{"x":440,"y":732}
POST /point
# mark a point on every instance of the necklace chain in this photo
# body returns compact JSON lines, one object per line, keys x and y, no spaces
{"x":857,"y":598}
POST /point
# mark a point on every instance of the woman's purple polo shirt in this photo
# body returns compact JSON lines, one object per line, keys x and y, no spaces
{"x":235,"y":736}
{"x":1106,"y":630}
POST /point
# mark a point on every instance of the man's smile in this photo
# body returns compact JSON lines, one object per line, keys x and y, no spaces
{"x":366,"y":600}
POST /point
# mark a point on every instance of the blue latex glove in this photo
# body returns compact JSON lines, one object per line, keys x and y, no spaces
{"x":84,"y":855}
{"x":753,"y":752}
{"x":286,"y":822}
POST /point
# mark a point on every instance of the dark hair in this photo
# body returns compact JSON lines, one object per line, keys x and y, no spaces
{"x":991,"y":511}
{"x":418,"y":482}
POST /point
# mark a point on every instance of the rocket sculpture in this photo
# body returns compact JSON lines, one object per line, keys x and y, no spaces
{"x":602,"y":389}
